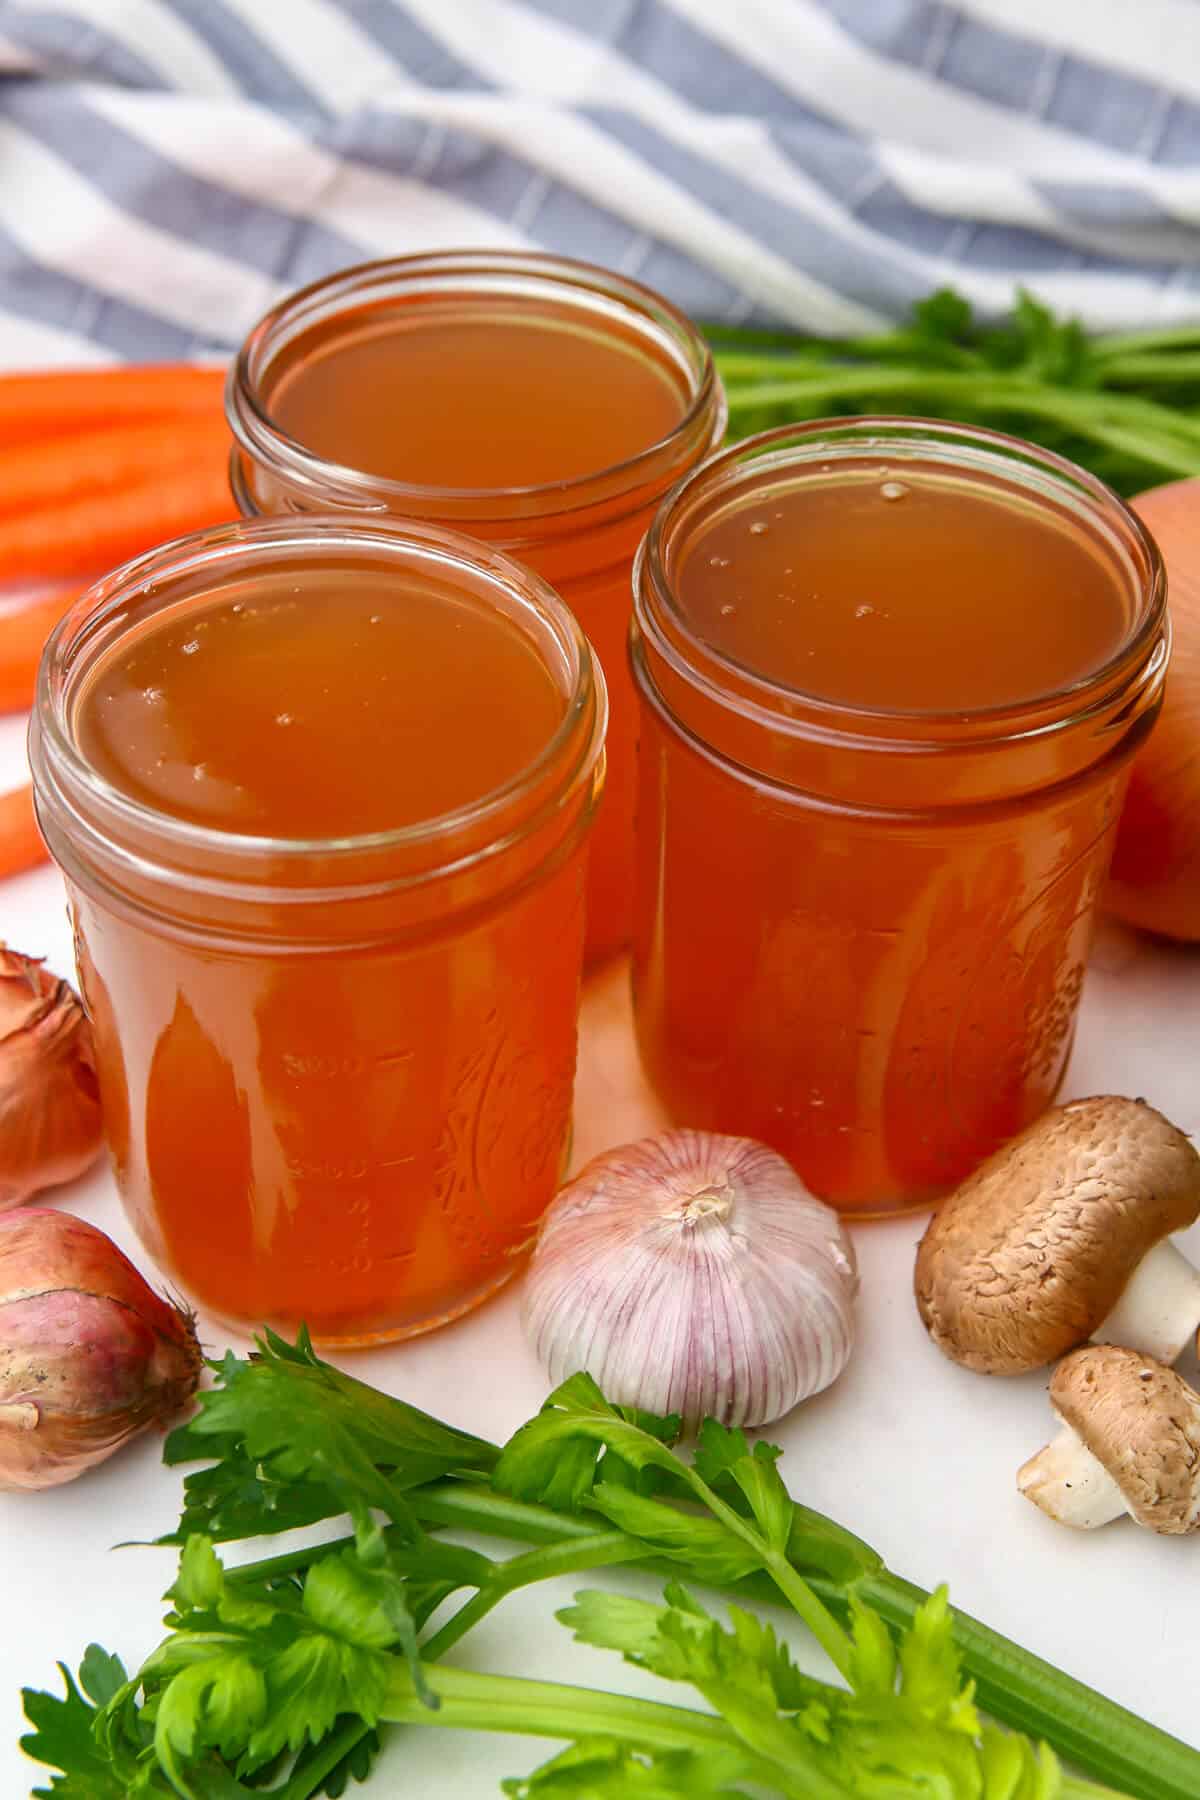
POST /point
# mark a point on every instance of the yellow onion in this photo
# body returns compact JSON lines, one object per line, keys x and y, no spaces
{"x":1155,"y":882}
{"x":49,"y":1098}
{"x":89,"y":1354}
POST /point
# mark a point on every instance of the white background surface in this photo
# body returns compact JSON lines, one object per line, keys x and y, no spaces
{"x":914,"y":1454}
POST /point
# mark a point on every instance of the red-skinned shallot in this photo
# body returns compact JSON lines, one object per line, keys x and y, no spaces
{"x":693,"y":1274}
{"x":49,"y":1099}
{"x":89,"y":1354}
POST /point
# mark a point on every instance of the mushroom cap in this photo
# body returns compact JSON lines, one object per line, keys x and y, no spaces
{"x":1142,"y":1422}
{"x":1033,"y":1251}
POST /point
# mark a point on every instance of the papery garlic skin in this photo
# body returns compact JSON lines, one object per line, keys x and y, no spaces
{"x":695,"y":1274}
{"x":89,"y":1354}
{"x":50,"y":1124}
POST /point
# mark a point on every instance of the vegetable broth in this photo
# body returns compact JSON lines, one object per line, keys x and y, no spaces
{"x":443,"y":397}
{"x":343,"y":1099}
{"x":537,"y":414}
{"x":872,"y":828}
{"x":319,"y":709}
{"x":919,"y":594}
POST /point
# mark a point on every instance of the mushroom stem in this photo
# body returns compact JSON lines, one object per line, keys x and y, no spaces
{"x":1159,"y":1309}
{"x":1071,"y":1484}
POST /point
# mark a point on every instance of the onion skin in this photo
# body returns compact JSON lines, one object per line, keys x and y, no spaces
{"x":50,"y":1123}
{"x":1155,"y":879}
{"x":89,"y":1354}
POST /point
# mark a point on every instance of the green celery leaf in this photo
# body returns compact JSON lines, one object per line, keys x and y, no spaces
{"x":251,"y":1703}
{"x":1005,"y":1765}
{"x":768,"y":1498}
{"x":554,"y":1459}
{"x":873,"y":1661}
{"x":644,"y":1477}
{"x":930,"y":1669}
{"x":908,"y":1732}
{"x":1123,"y":407}
{"x":256,"y":1670}
{"x":943,"y":316}
{"x":707,"y":1547}
{"x":599,"y":1769}
{"x":911,"y":1726}
{"x":449,"y":1566}
{"x":311,"y":1684}
{"x":212,"y":1780}
{"x":284,"y":1416}
{"x":817,"y":1546}
{"x":622,"y":1622}
{"x":552,"y":1472}
{"x":812,"y":1542}
{"x":181,"y":1712}
{"x":1013,"y":1770}
{"x":101,"y":1676}
{"x":240,"y":1496}
{"x":1035,"y":343}
{"x":941,"y":334}
{"x":209,"y":1704}
{"x":680,"y":1641}
{"x":368,"y":1606}
{"x":747,"y":1676}
{"x":62,"y":1738}
{"x":356,"y":1765}
{"x":561,"y":1457}
{"x":720,"y":1447}
{"x":200,"y":1583}
{"x":348,"y":1601}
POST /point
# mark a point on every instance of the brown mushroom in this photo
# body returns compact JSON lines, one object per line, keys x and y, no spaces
{"x":1130,"y":1443}
{"x":1060,"y":1236}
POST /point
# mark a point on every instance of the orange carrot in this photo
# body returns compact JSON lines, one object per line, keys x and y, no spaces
{"x":95,"y":466}
{"x":53,"y":403}
{"x":21,"y":845}
{"x":95,"y":462}
{"x":96,"y":531}
{"x":24,"y":627}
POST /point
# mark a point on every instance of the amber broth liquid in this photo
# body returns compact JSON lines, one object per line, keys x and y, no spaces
{"x":473,"y":393}
{"x":329,"y":1136}
{"x":884,"y":994}
{"x":911,"y":595}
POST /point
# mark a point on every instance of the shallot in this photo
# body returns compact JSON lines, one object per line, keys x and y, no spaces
{"x":89,"y":1354}
{"x":693,"y":1274}
{"x":49,"y":1098}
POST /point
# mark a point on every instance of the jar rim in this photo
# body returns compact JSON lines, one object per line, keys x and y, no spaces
{"x":56,"y":757}
{"x":661,"y":619}
{"x":263,"y":439}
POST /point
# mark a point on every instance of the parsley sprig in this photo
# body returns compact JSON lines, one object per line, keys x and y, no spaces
{"x":1126,"y":406}
{"x":276,"y":1677}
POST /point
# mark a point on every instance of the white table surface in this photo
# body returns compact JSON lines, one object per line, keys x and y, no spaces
{"x":914,"y":1454}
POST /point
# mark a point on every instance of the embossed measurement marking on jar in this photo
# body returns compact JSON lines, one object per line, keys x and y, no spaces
{"x":357,"y":1168}
{"x":338,"y":1173}
{"x":308,"y":1067}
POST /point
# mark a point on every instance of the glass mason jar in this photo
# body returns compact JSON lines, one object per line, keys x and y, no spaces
{"x":861,"y":934}
{"x":303,"y":374}
{"x":336,"y":1072}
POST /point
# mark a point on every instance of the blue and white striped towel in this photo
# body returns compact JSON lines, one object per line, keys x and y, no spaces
{"x":169,"y":167}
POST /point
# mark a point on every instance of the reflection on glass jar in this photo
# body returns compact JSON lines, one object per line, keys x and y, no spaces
{"x":343,"y":1056}
{"x":540,"y":404}
{"x":891,"y":678}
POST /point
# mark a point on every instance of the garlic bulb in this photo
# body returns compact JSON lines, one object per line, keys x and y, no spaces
{"x":693,"y":1274}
